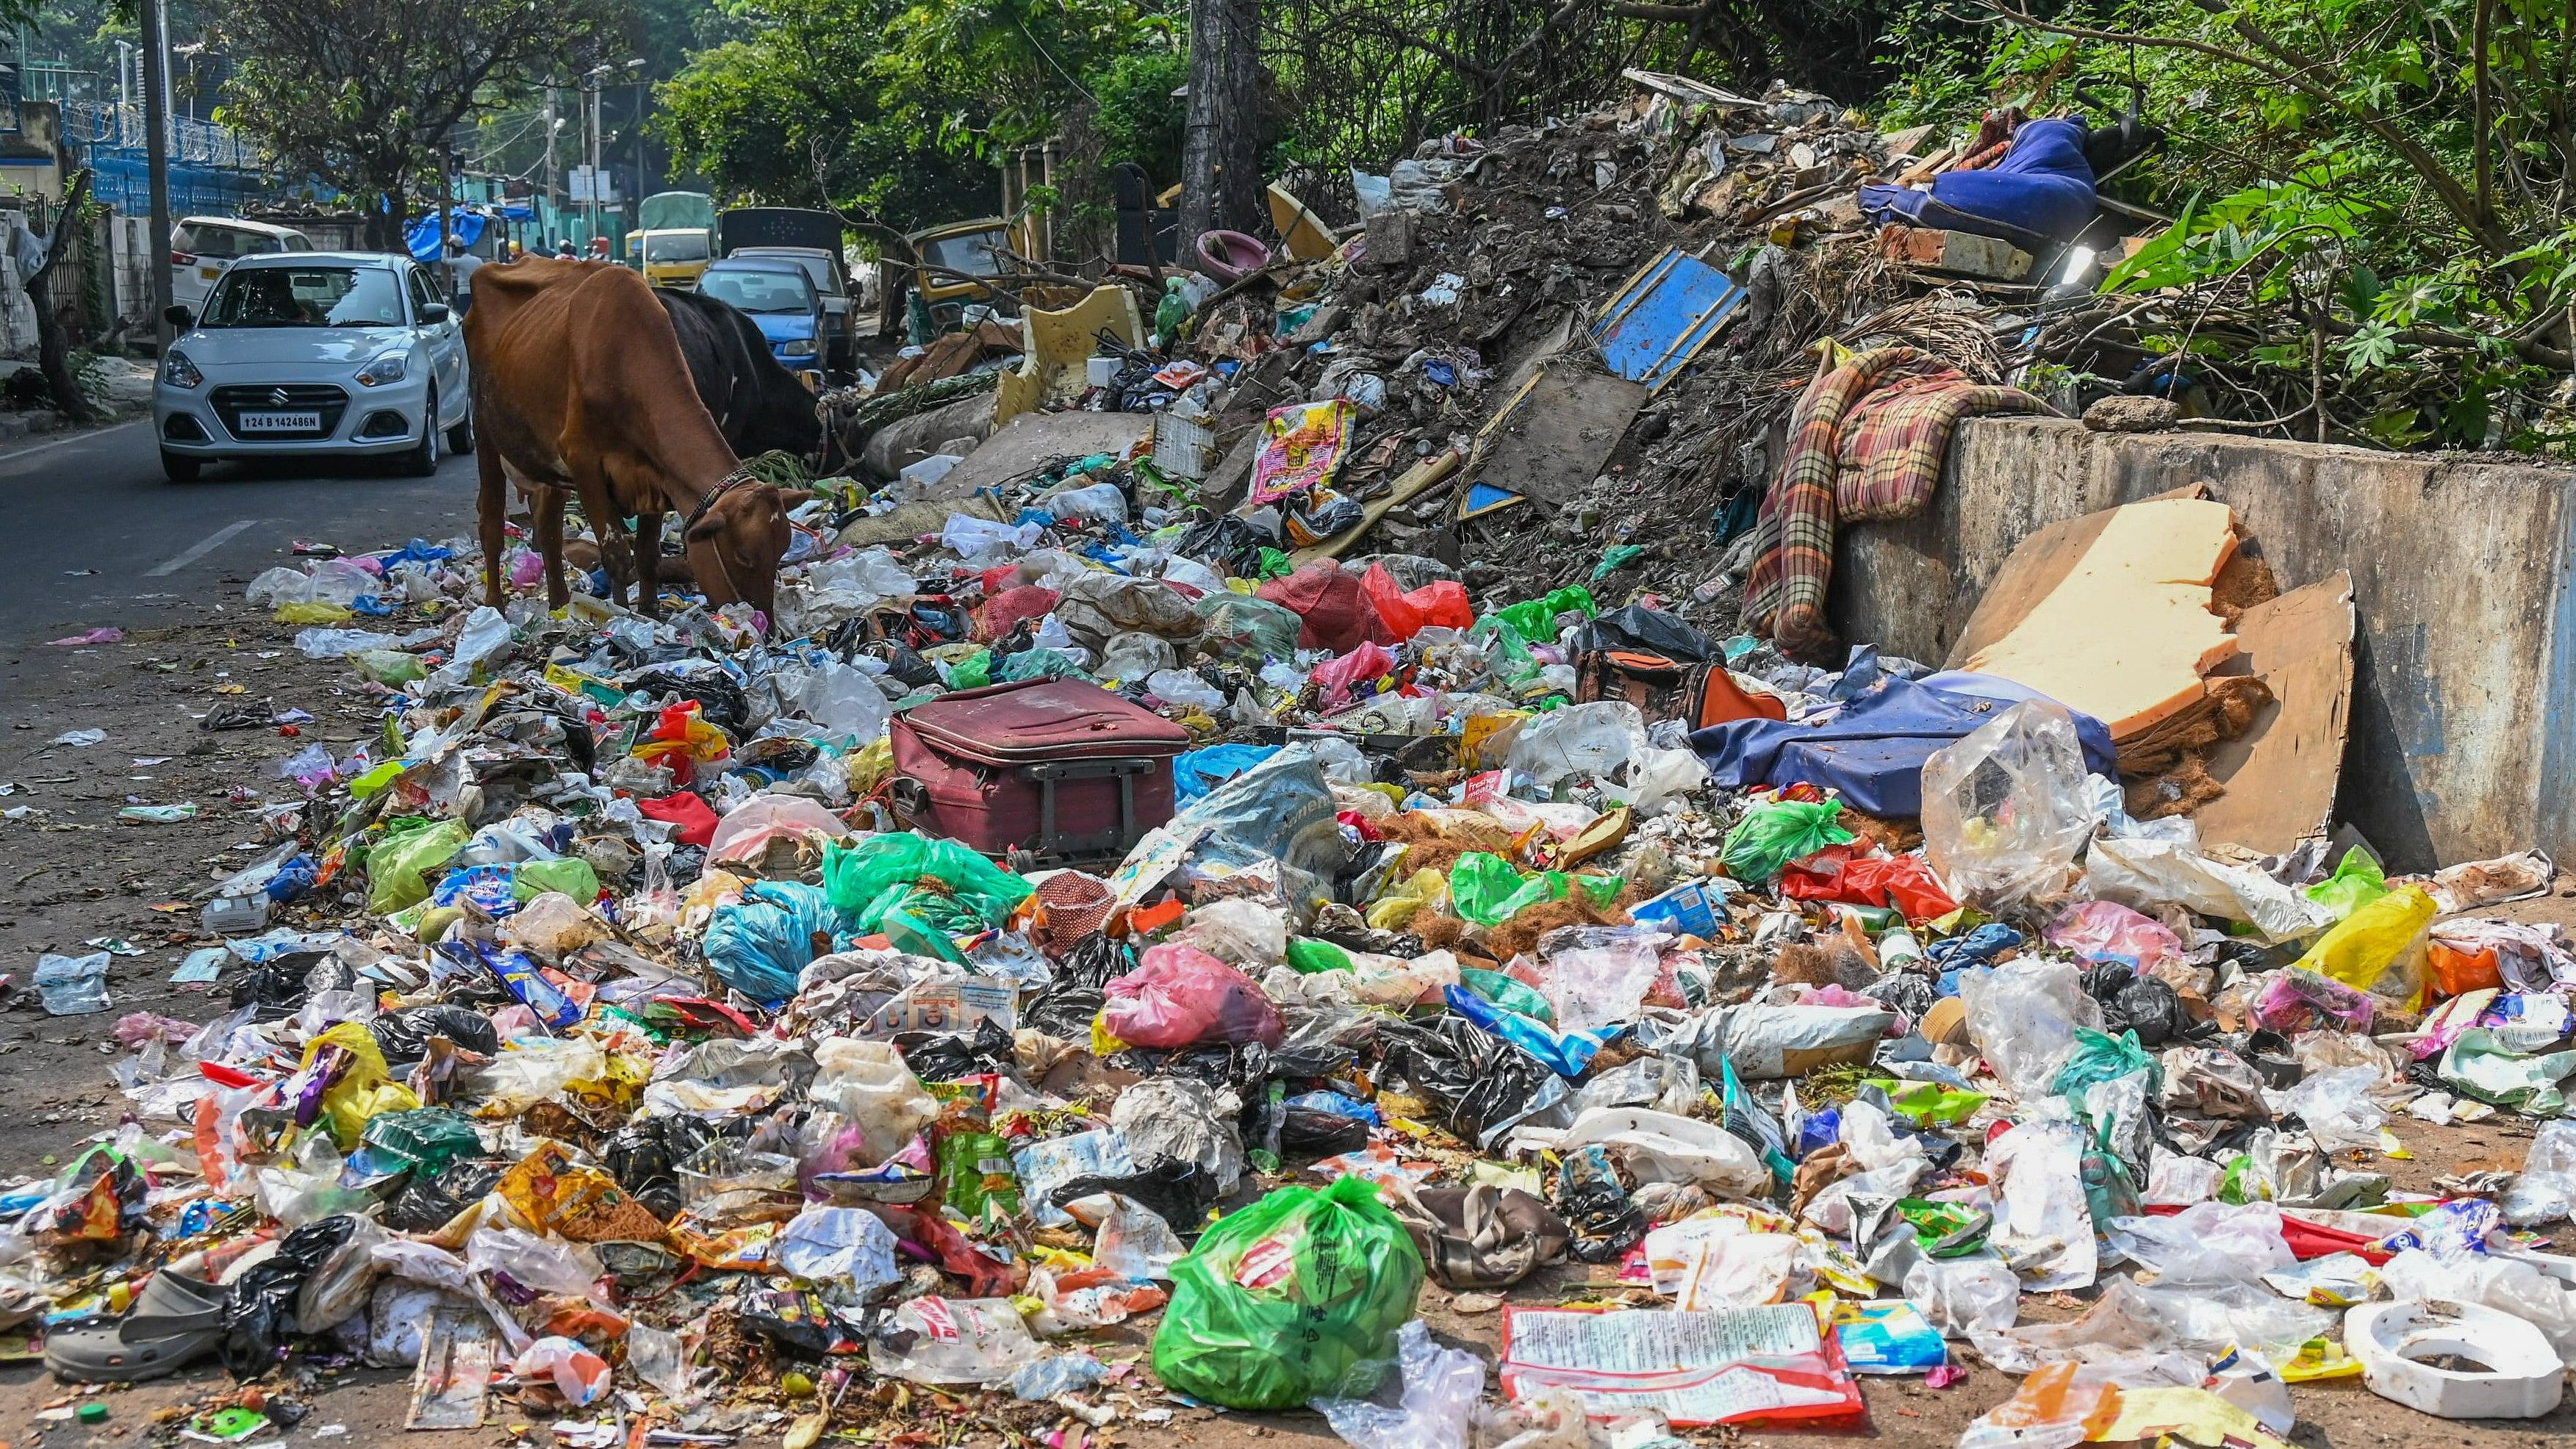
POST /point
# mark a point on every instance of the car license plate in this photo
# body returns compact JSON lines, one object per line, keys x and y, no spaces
{"x":210,"y":273}
{"x":306,"y":422}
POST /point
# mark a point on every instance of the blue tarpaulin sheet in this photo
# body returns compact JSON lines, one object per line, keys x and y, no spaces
{"x":1872,"y":750}
{"x":421,"y":237}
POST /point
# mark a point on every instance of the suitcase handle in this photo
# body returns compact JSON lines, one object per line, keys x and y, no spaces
{"x":1124,"y":771}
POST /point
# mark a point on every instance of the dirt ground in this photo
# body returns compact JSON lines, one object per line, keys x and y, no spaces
{"x":74,"y":873}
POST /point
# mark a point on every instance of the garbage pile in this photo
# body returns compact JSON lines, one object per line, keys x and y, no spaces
{"x":1079,"y":963}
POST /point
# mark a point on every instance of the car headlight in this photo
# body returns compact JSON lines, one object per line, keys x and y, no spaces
{"x":385,"y":368}
{"x":178,"y":371}
{"x":799,"y":347}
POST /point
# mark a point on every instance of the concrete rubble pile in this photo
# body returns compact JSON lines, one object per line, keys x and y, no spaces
{"x":1099,"y":957}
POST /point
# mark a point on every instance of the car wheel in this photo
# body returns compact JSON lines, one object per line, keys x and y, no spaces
{"x":422,"y":461}
{"x":460,"y":438}
{"x":180,"y":468}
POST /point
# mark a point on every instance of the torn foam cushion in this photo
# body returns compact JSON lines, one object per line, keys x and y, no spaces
{"x":2126,"y":633}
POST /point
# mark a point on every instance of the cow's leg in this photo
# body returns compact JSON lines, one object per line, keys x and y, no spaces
{"x":550,"y":526}
{"x":648,"y":562}
{"x":491,"y":508}
{"x":598,"y":502}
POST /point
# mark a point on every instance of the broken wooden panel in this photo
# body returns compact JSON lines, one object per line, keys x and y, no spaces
{"x":1550,"y":441}
{"x":2282,"y":771}
{"x":2110,"y":613}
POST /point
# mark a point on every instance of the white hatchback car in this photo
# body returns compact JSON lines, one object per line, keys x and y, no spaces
{"x":315,"y":353}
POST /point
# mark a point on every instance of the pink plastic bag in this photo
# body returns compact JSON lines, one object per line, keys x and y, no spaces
{"x":2294,"y":1001}
{"x":2101,"y":930}
{"x":1338,"y":680}
{"x":1180,"y":996}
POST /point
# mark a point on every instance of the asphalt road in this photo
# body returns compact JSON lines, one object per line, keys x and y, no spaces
{"x":92,"y":534}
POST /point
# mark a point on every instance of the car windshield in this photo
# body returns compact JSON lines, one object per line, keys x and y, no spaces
{"x":679,"y":247}
{"x":305,"y":297}
{"x":759,"y":291}
{"x":968,"y":252}
{"x":206,"y":240}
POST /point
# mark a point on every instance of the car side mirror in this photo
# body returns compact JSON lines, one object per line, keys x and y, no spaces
{"x":179,"y":317}
{"x":433,"y":313}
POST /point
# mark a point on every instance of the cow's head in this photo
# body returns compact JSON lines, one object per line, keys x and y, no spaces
{"x":735,"y":544}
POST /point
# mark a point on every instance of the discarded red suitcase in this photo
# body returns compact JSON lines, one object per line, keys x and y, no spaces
{"x":1055,"y":770}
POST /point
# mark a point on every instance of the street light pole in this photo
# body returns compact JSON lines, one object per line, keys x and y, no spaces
{"x":156,"y":154}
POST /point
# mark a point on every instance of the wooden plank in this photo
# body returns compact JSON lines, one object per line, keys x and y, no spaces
{"x":1410,"y":485}
{"x":2281,"y":774}
{"x":1550,"y":441}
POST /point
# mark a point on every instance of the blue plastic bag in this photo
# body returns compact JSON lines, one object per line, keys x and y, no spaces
{"x":761,"y":943}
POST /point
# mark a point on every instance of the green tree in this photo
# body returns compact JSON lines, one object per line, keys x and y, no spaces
{"x":364,"y":93}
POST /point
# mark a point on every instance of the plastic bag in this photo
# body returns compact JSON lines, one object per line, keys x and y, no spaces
{"x":869,"y":1083}
{"x":759,"y":944}
{"x":2546,"y":1189}
{"x":399,"y":864}
{"x":1964,"y":1296}
{"x":907,"y":871}
{"x":2006,"y":809}
{"x":2105,"y":931}
{"x":1770,"y":836}
{"x":1298,"y":1297}
{"x":2159,"y":876}
{"x":953,"y":1341}
{"x":1240,"y":933}
{"x":2042,"y":1224}
{"x":1180,"y":996}
{"x":1441,"y":1387}
{"x":2363,"y":945}
{"x":845,"y":1250}
{"x":72,"y":985}
{"x":2023,"y":1016}
{"x":578,"y":1374}
{"x":2356,"y":882}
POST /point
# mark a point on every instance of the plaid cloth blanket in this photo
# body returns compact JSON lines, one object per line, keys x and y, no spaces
{"x":1866,"y":441}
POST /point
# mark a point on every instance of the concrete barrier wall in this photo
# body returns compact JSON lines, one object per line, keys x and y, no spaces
{"x":2464,"y":711}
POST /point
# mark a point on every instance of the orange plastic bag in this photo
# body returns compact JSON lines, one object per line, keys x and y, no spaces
{"x":1442,"y":602}
{"x":2457,"y":971}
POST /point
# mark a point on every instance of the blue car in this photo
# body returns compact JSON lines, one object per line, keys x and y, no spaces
{"x":778,"y":297}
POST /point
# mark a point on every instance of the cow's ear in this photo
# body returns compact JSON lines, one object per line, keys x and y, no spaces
{"x":706,"y":529}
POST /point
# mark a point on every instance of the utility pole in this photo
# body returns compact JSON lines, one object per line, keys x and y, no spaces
{"x":552,"y":125}
{"x":643,"y":98}
{"x":156,"y":153}
{"x":596,"y":86}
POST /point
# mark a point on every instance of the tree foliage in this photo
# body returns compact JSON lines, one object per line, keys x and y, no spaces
{"x":363,"y":93}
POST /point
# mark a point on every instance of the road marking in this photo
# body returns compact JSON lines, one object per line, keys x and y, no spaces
{"x":205,"y":546}
{"x":74,"y":438}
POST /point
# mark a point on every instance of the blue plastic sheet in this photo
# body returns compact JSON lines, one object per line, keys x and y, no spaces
{"x":1565,"y":1054}
{"x":760,"y":944}
{"x":1872,"y":750}
{"x":1199,"y":771}
{"x":421,"y":236}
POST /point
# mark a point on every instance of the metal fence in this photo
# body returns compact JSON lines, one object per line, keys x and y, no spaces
{"x":192,"y":142}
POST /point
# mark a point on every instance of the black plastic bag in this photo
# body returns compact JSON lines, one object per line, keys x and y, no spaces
{"x":1306,"y":1132}
{"x":1478,"y":1078}
{"x":1909,"y":993}
{"x":1180,"y":1193}
{"x":794,"y":1319}
{"x":721,"y":702}
{"x":645,"y":1156}
{"x":280,"y":985}
{"x":1094,"y":961}
{"x":260,"y":1312}
{"x":427,"y":1202}
{"x":403,"y":1036}
{"x":1064,"y":1010}
{"x":945,"y":1058}
{"x":1595,"y":1206}
{"x":2143,"y":1004}
{"x":1638,"y":627}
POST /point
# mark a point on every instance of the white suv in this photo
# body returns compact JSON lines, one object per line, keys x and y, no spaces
{"x":202,"y":246}
{"x":310,"y":353}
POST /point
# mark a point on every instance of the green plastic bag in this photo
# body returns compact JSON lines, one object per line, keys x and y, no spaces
{"x":571,"y":875}
{"x":1485,"y":889}
{"x":1500,"y":990}
{"x":972,"y":672}
{"x":1771,"y":836}
{"x":1308,"y":956}
{"x":428,"y":1140}
{"x":398,"y":865}
{"x":2101,"y":1057}
{"x":975,"y":1169}
{"x":1535,"y":619}
{"x":1296,"y":1297}
{"x":940,"y":883}
{"x":2355,"y":883}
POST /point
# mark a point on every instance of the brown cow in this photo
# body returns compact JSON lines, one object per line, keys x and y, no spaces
{"x":580,"y":388}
